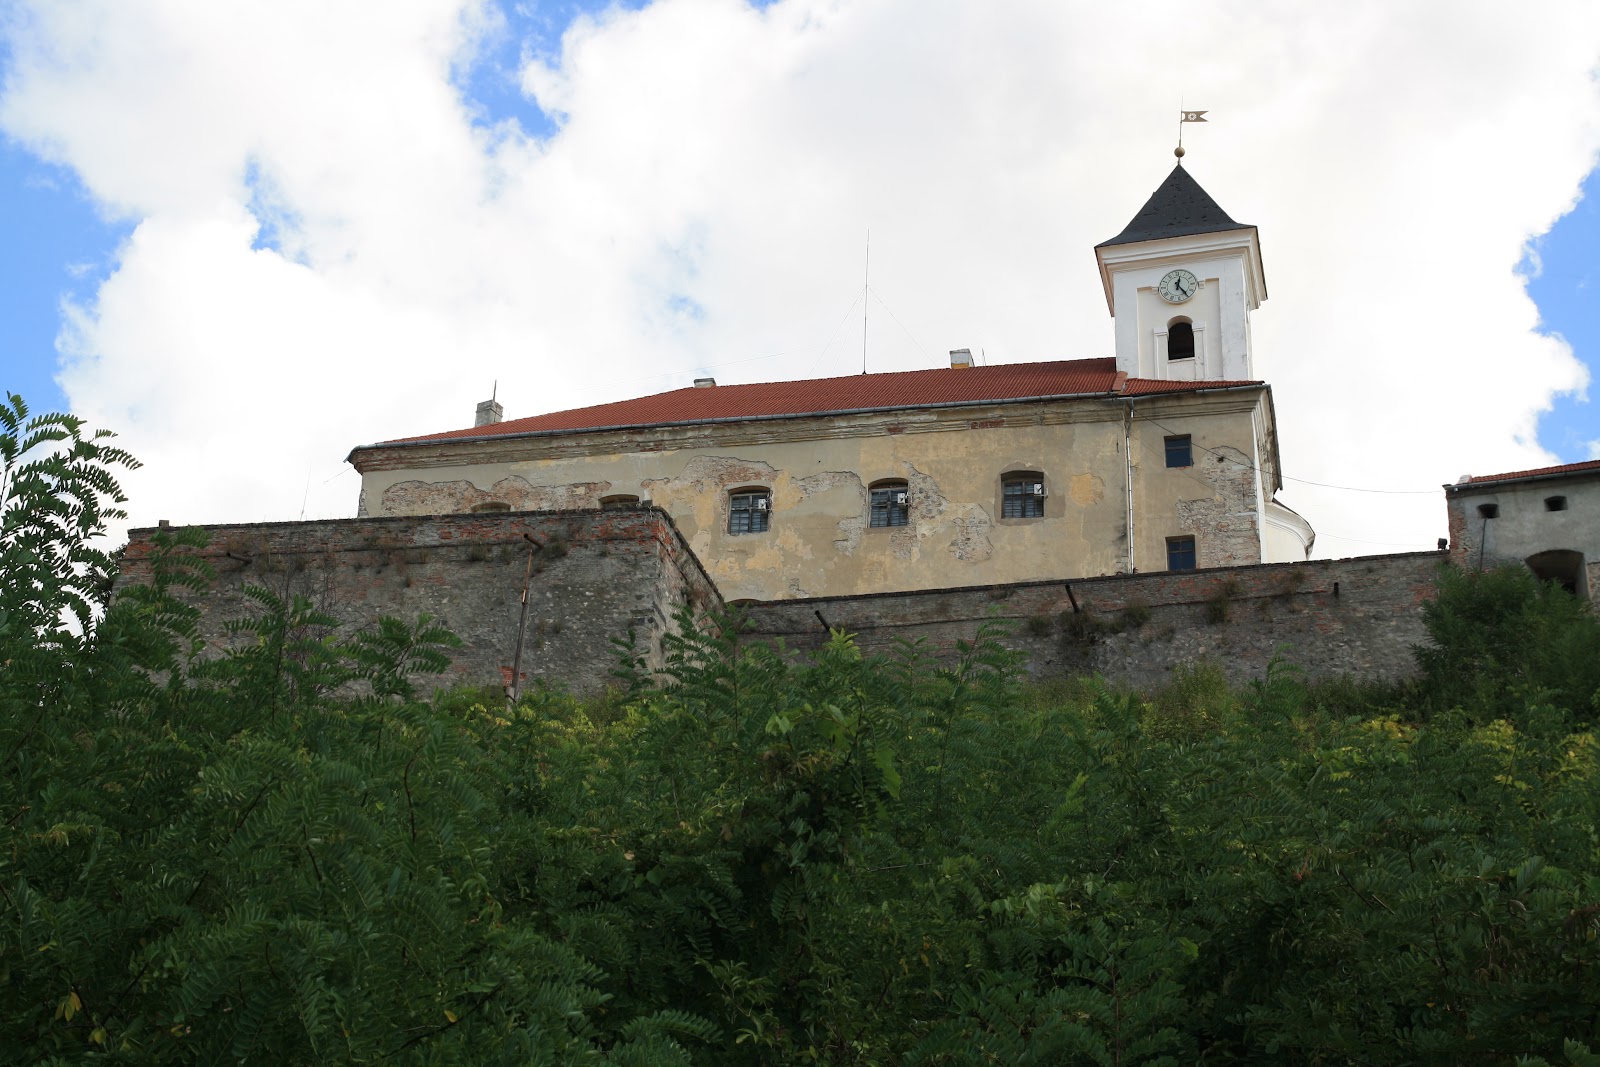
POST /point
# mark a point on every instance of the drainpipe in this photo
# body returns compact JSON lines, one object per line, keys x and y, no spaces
{"x":1127,"y":456}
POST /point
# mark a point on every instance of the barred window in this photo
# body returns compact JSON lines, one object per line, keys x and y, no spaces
{"x":1022,"y":495}
{"x":749,"y":511}
{"x":891,"y":504}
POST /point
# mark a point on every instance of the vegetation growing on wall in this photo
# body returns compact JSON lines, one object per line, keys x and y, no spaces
{"x":859,"y":861}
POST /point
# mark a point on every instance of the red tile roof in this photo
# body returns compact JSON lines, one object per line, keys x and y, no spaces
{"x":1537,"y":472}
{"x":861,"y":392}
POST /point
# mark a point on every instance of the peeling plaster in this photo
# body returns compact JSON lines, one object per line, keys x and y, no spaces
{"x":972,"y":544}
{"x":441,"y":498}
{"x":1225,"y":524}
{"x":854,"y":523}
{"x":1086,"y":490}
{"x":932,"y":515}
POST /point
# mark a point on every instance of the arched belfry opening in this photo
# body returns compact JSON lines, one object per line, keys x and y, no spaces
{"x":1562,"y":566}
{"x":1180,"y":339}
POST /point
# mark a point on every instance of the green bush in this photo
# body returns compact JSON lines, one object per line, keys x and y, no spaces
{"x":1500,"y":635}
{"x":856,"y":861}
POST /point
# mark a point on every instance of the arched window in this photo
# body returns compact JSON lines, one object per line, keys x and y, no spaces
{"x":1562,"y":566}
{"x":890,"y":504}
{"x":620,"y":501}
{"x":1022,"y":495}
{"x":1180,"y":340}
{"x":749,"y":510}
{"x":492,"y":505}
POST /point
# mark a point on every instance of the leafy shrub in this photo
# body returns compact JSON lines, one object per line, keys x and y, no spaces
{"x":858,"y":860}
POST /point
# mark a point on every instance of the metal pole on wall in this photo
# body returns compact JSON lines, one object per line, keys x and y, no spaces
{"x":514,"y":690}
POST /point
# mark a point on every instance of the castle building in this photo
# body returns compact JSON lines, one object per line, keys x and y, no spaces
{"x":1161,"y":457}
{"x":1548,"y":519}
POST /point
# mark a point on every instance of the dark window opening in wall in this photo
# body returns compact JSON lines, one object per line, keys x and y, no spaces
{"x":1180,"y":554}
{"x":890,"y":504}
{"x":749,"y":511}
{"x":619,"y":501}
{"x":1489,"y":511}
{"x":1555,"y":503}
{"x":1180,"y":452}
{"x":1563,"y":567}
{"x":1180,"y":341}
{"x":491,"y":505}
{"x":1022,"y":495}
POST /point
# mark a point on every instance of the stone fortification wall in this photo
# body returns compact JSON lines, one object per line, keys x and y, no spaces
{"x":1355,"y":617}
{"x":600,"y":574}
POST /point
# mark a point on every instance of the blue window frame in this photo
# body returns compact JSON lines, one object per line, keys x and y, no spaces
{"x":749,"y":511}
{"x":1022,"y":495}
{"x":1180,"y":452}
{"x":890,"y":505}
{"x":1180,"y":554}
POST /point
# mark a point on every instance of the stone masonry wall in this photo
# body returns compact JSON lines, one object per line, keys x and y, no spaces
{"x":1356,"y":617}
{"x":599,"y":574}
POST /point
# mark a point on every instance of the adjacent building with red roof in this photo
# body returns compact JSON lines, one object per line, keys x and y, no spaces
{"x":1547,"y":518}
{"x":1161,"y":457}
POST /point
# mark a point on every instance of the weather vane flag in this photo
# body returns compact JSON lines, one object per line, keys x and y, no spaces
{"x":1186,"y":116}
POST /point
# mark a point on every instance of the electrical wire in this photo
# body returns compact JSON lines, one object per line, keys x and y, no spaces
{"x":1306,"y":481}
{"x":1149,"y":447}
{"x":900,"y":324}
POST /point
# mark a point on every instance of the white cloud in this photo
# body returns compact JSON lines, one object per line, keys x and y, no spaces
{"x":714,"y":175}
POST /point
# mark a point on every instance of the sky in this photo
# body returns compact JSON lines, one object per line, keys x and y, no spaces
{"x":249,"y":236}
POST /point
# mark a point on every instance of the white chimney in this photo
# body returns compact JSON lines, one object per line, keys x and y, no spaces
{"x":960,"y":358}
{"x":489,"y":413}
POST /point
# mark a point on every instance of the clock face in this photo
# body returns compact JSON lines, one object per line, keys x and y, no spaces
{"x":1177,"y":286}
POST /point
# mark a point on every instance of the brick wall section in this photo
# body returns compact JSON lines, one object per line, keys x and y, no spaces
{"x":1357,"y":617}
{"x":601,"y":573}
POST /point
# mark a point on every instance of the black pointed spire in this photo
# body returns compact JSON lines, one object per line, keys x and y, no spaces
{"x":1177,"y":209}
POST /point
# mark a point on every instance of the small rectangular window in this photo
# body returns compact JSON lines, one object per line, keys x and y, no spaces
{"x":1022,"y":496}
{"x":1489,"y":511}
{"x":1179,"y":452}
{"x":1180,"y":554}
{"x":749,"y":512}
{"x":1555,"y":503}
{"x":619,"y":501}
{"x":890,"y":505}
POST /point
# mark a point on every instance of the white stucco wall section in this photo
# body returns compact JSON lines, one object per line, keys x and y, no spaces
{"x":1228,"y":265}
{"x":1524,"y":524}
{"x":1289,"y":538}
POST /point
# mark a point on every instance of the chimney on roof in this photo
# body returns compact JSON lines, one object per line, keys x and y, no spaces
{"x":489,"y":413}
{"x":705,"y":383}
{"x":960,"y":358}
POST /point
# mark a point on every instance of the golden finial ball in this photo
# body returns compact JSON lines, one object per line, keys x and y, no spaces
{"x":1178,"y":151}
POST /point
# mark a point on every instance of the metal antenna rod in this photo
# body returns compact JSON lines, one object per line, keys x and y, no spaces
{"x":866,"y":274}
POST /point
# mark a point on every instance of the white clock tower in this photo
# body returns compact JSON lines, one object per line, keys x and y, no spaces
{"x":1181,"y":281}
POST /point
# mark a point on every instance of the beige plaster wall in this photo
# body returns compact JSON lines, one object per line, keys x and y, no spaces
{"x":819,"y":471}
